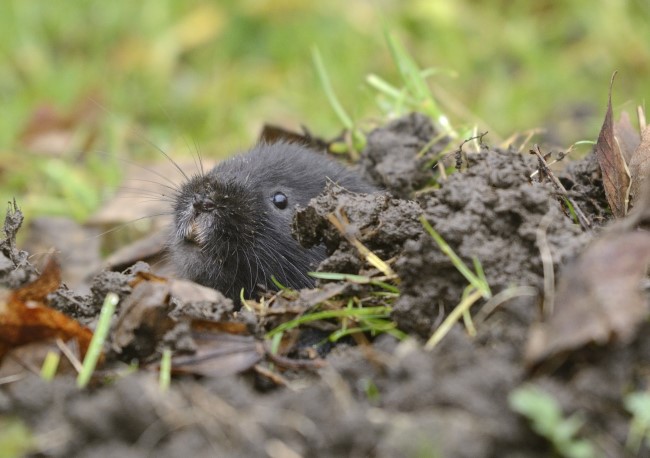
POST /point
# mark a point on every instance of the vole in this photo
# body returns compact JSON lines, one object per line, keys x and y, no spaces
{"x":231,"y":226}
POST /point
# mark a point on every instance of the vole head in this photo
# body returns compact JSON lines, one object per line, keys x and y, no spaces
{"x":232,"y":225}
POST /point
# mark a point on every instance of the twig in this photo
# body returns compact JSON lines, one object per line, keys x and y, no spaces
{"x":582,"y":219}
{"x":459,"y":152}
{"x":273,"y":376}
{"x":289,"y":363}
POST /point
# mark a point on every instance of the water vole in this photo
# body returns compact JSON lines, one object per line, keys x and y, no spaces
{"x":232,"y":224}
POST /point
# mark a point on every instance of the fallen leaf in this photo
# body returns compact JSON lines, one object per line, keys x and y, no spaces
{"x":219,"y":354}
{"x":25,"y":317}
{"x":598,"y":299}
{"x":627,"y":136}
{"x":640,"y":166}
{"x":78,"y":244}
{"x":230,"y":327}
{"x":187,"y":291}
{"x":616,"y":180}
{"x":221,"y":347}
{"x":143,"y":319}
{"x":150,"y":249}
{"x":50,"y":131}
{"x":311,"y":297}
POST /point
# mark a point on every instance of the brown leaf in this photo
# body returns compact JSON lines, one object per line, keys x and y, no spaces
{"x":229,"y":327}
{"x":78,"y":244}
{"x":150,"y":249}
{"x":187,"y":291}
{"x":640,"y":166}
{"x":599,"y":298}
{"x":143,"y":319}
{"x":149,"y":313}
{"x":627,"y":136}
{"x":219,"y":354}
{"x":616,"y":180}
{"x":38,"y":290}
{"x":311,"y":297}
{"x":25,"y":317}
{"x":49,"y":131}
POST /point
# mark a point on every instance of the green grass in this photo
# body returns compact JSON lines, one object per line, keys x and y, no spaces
{"x":212,"y":73}
{"x":16,"y":439}
{"x":546,"y":419}
{"x":94,"y":352}
{"x":354,"y":316}
{"x":638,"y":404}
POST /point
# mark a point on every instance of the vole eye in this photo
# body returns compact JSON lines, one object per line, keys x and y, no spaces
{"x":280,"y":200}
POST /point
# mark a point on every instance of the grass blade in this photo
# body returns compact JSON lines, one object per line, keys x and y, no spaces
{"x":329,"y":90}
{"x":97,"y":342}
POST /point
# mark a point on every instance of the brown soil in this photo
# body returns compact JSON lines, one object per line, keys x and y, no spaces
{"x":385,"y":399}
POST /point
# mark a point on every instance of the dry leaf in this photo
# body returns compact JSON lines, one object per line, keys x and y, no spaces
{"x":598,"y":298}
{"x":627,"y":136}
{"x":229,"y":327}
{"x":143,"y":320}
{"x":150,"y":249}
{"x":78,"y":244}
{"x":219,"y":354}
{"x":49,"y":131}
{"x":616,"y":180}
{"x":24,"y":317}
{"x":640,"y":166}
{"x":187,"y":291}
{"x":149,"y":313}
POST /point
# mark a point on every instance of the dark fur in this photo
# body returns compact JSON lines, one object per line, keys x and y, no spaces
{"x":245,"y":239}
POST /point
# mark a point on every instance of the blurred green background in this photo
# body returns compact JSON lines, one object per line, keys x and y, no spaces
{"x":85,"y":83}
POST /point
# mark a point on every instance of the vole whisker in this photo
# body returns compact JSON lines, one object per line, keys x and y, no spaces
{"x":142,"y":167}
{"x":171,"y":188}
{"x":198,"y":154}
{"x":123,"y":225}
{"x":199,"y":166}
{"x":146,"y":192}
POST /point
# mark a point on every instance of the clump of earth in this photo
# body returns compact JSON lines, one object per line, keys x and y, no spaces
{"x":380,"y":396}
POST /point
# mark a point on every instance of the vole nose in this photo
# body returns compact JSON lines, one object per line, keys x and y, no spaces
{"x":202,"y":203}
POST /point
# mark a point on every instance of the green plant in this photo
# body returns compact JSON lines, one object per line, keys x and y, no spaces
{"x":478,"y":287}
{"x":415,"y":94}
{"x":50,"y":365}
{"x":15,"y":438}
{"x":97,"y":342}
{"x":545,"y":416}
{"x":353,"y":317}
{"x":638,"y":404}
{"x":358,"y":139}
{"x":165,"y":374}
{"x":369,"y":319}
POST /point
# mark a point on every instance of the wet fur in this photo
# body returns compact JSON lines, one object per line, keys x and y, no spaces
{"x":246,"y":239}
